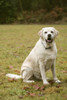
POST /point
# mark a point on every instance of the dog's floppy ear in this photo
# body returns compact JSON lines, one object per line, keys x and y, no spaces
{"x":57,"y":32}
{"x":40,"y":33}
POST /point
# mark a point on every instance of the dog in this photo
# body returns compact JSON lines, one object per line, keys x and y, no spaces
{"x":41,"y":58}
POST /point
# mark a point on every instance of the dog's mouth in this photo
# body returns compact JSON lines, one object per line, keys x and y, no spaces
{"x":49,"y":40}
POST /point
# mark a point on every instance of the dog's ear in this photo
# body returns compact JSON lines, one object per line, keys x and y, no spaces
{"x":40,"y":33}
{"x":57,"y":32}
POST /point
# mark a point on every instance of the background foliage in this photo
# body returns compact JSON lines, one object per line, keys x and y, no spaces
{"x":33,"y":11}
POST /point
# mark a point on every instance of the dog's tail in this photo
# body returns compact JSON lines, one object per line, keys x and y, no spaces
{"x":14,"y":76}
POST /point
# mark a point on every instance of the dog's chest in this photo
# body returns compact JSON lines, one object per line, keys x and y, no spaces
{"x":49,"y":59}
{"x":49,"y":55}
{"x":48,"y":64}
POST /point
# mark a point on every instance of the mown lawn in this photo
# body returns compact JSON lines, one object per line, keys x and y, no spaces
{"x":16,"y":41}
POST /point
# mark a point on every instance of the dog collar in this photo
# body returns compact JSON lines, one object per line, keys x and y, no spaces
{"x":46,"y":47}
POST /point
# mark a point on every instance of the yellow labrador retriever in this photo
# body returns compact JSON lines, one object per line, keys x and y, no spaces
{"x":41,"y":58}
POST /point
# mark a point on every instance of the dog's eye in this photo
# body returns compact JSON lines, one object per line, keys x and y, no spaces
{"x":45,"y":32}
{"x":52,"y":32}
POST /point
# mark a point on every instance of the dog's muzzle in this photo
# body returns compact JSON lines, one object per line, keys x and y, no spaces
{"x":49,"y":39}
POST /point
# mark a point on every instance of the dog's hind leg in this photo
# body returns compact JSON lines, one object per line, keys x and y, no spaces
{"x":26,"y":75}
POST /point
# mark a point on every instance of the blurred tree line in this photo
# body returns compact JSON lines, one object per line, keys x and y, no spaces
{"x":27,"y":11}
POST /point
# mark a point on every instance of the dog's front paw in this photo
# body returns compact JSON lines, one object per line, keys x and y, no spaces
{"x":57,"y":81}
{"x":45,"y":82}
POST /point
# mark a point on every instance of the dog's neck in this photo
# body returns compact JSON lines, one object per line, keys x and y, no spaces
{"x":47,"y":45}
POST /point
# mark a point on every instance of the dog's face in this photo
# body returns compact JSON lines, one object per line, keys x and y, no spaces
{"x":48,"y":34}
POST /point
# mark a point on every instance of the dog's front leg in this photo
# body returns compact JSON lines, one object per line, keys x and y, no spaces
{"x":54,"y":73}
{"x":43,"y":74}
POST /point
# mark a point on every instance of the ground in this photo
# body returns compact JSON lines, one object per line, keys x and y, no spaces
{"x":16,"y":41}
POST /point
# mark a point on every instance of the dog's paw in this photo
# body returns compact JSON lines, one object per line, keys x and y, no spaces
{"x":46,"y":82}
{"x":57,"y":81}
{"x":28,"y":81}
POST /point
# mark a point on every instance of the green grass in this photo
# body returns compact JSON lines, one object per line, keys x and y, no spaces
{"x":16,"y":41}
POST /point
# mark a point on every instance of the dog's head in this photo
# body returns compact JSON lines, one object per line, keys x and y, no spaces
{"x":48,"y":34}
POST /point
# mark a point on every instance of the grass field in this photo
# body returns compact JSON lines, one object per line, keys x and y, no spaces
{"x":16,"y":41}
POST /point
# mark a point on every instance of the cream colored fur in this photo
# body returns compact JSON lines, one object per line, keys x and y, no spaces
{"x":40,"y":59}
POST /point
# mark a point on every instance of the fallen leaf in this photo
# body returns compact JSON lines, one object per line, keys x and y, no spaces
{"x":20,"y":97}
{"x":42,"y":87}
{"x":11,"y":67}
{"x":61,"y":62}
{"x":65,"y":96}
{"x":25,"y":88}
{"x":11,"y":80}
{"x":36,"y":87}
{"x":17,"y":71}
{"x":32,"y":94}
{"x":57,"y":86}
{"x":65,"y":71}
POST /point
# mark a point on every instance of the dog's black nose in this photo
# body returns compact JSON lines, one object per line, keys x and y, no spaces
{"x":49,"y":35}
